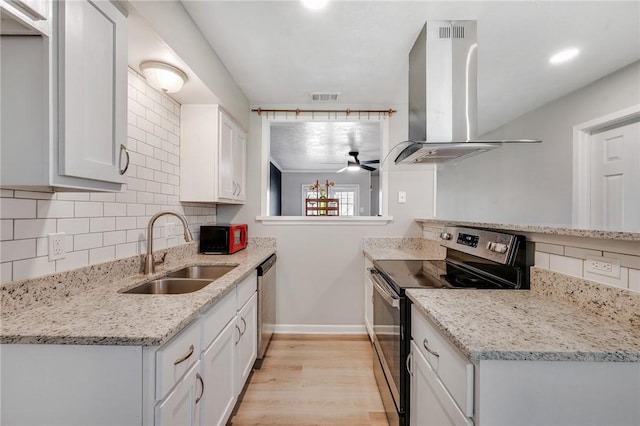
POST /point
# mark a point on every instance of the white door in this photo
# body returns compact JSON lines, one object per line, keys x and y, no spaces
{"x":218,"y":373}
{"x":615,"y":178}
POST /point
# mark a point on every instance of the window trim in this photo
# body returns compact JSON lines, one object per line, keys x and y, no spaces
{"x":311,"y":220}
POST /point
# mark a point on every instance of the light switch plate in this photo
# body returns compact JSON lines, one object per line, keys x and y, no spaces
{"x":402,"y":197}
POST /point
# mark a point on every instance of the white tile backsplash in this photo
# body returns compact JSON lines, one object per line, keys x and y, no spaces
{"x":634,"y":280}
{"x":55,"y":209}
{"x":33,"y":228}
{"x":17,"y":209}
{"x":17,"y":249}
{"x":566,"y":265}
{"x":541,"y":260}
{"x":105,"y":226}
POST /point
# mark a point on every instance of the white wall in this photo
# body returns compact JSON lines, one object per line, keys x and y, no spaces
{"x":320,"y":268}
{"x":101,"y":227}
{"x":532,"y":184}
{"x":292,"y":204}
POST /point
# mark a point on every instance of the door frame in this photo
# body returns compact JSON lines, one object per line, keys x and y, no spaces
{"x":581,"y":210}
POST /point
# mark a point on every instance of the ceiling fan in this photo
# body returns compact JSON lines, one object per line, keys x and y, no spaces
{"x":357,"y":164}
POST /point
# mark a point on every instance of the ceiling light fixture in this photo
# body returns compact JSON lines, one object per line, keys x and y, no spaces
{"x":314,"y":4}
{"x":564,"y":56}
{"x":353,"y":167}
{"x":164,"y":77}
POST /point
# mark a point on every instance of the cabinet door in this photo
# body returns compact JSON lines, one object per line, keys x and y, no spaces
{"x":91,"y":89}
{"x":239,"y":158}
{"x":247,"y":347}
{"x":180,"y":406}
{"x":218,"y":373}
{"x":226,"y":162}
{"x":430,"y":403}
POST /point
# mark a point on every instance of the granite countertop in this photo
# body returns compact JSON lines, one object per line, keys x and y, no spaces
{"x":402,"y":248}
{"x":539,"y":229}
{"x":522,"y":325}
{"x":104,"y":316}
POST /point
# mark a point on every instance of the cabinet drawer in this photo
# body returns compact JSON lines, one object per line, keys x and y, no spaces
{"x":455,"y":370}
{"x":174,"y":358}
{"x":246,"y":289}
{"x":215,"y":319}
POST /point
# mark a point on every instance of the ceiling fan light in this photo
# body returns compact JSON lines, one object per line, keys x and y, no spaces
{"x":163,"y":77}
{"x":353,"y":167}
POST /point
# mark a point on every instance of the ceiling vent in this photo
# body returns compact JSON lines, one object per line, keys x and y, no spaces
{"x":325,"y":97}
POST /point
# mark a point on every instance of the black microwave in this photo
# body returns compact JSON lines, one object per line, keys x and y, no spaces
{"x":222,"y":239}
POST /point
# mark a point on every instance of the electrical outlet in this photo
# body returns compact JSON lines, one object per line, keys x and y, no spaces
{"x":603,"y":266}
{"x":57,"y":247}
{"x":402,"y":197}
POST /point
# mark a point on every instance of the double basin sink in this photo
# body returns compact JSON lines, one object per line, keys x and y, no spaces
{"x":185,"y":280}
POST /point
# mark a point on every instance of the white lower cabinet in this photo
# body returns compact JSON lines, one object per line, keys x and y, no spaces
{"x":194,"y":379}
{"x":218,"y":366}
{"x":180,"y":407}
{"x":448,"y":389}
{"x":247,"y":346}
{"x":431,"y":404}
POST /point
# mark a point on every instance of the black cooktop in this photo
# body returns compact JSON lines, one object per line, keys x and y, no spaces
{"x":403,"y":274}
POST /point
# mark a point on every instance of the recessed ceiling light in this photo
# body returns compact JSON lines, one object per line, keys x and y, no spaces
{"x":314,"y":4}
{"x":564,"y":56}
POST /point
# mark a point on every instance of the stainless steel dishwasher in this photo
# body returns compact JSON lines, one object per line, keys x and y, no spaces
{"x":266,"y":306}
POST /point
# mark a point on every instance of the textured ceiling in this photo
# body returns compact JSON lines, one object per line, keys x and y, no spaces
{"x":279,"y":52}
{"x":323,"y":145}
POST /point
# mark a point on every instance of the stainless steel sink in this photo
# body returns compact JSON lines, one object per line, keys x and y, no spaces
{"x":170,"y":286}
{"x":210,"y":272}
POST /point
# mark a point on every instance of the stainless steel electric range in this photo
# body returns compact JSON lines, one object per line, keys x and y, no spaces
{"x":476,"y":259}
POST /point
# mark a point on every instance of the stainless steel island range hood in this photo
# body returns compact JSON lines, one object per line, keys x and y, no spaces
{"x":443,"y":95}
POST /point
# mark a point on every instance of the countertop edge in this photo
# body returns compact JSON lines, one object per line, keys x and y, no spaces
{"x":150,"y":340}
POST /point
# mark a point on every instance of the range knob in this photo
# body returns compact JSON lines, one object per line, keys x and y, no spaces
{"x":497,"y":247}
{"x":445,"y":235}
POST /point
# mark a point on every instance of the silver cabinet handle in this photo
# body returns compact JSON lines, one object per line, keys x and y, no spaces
{"x":244,"y":328}
{"x":126,"y":151}
{"x":239,"y":334}
{"x":184,"y":358}
{"x":425,"y":343}
{"x":239,"y":189}
{"x":199,"y":377}
{"x":409,"y":358}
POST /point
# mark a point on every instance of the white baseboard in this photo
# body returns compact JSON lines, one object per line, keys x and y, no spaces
{"x":319,"y":329}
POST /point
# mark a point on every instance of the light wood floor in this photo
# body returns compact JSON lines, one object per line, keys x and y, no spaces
{"x":313,"y":380}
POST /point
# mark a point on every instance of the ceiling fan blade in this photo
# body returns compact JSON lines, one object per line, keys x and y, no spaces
{"x":367,"y":168}
{"x":342,"y":170}
{"x":370,"y":162}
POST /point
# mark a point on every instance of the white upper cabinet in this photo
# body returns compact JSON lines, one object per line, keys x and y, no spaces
{"x":64,"y":101}
{"x":92,"y":86}
{"x":212,"y":156}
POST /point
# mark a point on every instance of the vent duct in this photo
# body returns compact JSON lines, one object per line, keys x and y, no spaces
{"x":325,"y":97}
{"x":443,"y":95}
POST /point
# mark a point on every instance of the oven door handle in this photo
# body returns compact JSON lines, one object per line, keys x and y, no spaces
{"x":383,"y":288}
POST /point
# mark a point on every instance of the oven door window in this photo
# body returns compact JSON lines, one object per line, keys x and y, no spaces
{"x":386,"y":327}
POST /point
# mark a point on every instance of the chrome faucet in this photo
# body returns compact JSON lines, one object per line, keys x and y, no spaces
{"x":148,"y":261}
